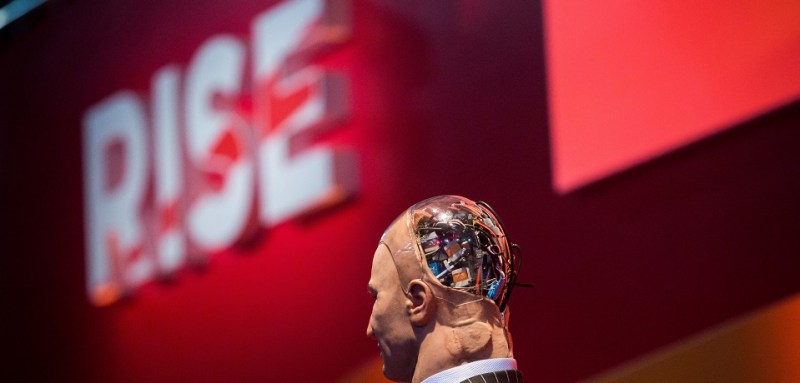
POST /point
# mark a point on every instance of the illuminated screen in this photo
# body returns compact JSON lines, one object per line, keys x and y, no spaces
{"x":629,"y":80}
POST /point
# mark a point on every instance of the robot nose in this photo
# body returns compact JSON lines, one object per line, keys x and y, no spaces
{"x":370,"y":333}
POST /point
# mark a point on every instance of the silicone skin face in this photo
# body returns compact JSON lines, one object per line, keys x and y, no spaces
{"x":389,"y":324}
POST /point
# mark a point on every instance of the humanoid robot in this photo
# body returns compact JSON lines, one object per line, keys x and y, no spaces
{"x":441,"y":278}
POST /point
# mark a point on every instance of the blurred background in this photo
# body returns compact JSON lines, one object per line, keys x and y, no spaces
{"x":193,"y":190}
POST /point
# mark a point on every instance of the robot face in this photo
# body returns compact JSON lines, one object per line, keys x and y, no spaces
{"x":464,"y":246}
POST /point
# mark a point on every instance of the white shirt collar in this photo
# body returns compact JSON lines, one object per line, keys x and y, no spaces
{"x":466,"y":371}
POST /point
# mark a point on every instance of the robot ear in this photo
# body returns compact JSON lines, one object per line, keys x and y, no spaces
{"x":420,"y":303}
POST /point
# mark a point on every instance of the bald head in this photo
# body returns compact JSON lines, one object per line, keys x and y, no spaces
{"x":441,"y":278}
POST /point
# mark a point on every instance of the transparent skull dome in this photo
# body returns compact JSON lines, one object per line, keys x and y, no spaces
{"x":464,"y":246}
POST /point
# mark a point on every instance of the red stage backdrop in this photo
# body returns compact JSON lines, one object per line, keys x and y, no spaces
{"x":631,"y":81}
{"x":193,"y":190}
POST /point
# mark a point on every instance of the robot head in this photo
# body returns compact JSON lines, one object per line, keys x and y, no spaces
{"x":459,"y":245}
